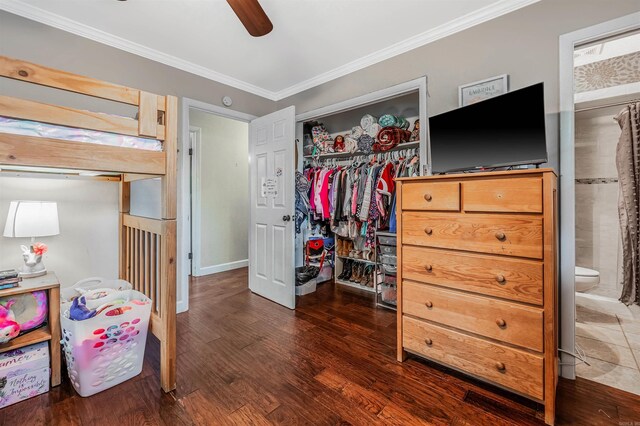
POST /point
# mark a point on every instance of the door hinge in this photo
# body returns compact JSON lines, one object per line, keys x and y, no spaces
{"x":190,"y":151}
{"x":190,"y":256}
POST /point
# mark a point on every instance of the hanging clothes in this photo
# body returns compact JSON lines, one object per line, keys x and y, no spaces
{"x":358,"y":199}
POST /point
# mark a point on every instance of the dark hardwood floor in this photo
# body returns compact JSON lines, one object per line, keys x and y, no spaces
{"x":244,"y":360}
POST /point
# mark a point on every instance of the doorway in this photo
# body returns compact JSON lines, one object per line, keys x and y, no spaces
{"x":569,"y":187}
{"x":214,"y":190}
{"x":607,"y":330}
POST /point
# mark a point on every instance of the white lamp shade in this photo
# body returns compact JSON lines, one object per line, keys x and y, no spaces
{"x":32,"y":219}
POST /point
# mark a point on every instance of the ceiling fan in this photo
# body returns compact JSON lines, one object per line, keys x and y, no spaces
{"x":252,"y":16}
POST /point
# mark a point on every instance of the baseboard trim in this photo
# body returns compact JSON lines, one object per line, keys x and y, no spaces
{"x":214,"y":269}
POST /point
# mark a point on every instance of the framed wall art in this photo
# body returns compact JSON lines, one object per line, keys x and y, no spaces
{"x":484,"y":89}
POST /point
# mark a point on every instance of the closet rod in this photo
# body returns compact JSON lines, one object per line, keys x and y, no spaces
{"x":608,"y":105}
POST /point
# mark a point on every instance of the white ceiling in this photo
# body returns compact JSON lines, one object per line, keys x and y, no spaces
{"x":313,"y":41}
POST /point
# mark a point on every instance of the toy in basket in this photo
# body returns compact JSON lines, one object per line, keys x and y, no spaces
{"x":104,"y":329}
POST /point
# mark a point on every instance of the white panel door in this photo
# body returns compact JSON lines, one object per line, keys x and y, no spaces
{"x":271,"y":233}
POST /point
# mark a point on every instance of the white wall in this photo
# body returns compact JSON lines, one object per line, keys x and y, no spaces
{"x":223,"y":189}
{"x":35,"y":42}
{"x":88,"y":214}
{"x":597,"y":224}
{"x":523,"y":44}
{"x":146,"y":198}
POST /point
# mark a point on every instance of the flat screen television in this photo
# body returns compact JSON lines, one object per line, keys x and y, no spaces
{"x":506,"y":130}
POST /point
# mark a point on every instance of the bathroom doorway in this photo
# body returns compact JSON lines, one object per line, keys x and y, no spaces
{"x":606,"y":80}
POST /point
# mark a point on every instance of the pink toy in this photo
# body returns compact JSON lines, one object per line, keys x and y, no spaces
{"x":41,"y":311}
{"x":9,"y":328}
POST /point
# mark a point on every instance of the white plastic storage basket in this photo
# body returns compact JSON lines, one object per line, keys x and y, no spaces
{"x":108,"y":349}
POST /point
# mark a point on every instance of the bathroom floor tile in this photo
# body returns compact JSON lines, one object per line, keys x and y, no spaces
{"x":603,"y":334}
{"x":617,"y":376}
{"x":631,"y":326}
{"x":606,"y":306}
{"x":614,"y":354}
{"x":611,"y":292}
{"x":592,"y":316}
{"x":631,"y":312}
{"x":634,"y":341}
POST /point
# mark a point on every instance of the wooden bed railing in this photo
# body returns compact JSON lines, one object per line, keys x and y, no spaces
{"x":146,"y":257}
{"x":147,"y":247}
{"x":153,"y":121}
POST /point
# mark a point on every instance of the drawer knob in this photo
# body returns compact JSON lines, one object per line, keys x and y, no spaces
{"x":501,"y":279}
{"x":428,"y":341}
{"x":428,"y":304}
{"x":428,"y":231}
{"x":501,"y":323}
{"x":428,"y":197}
{"x":500,"y":236}
{"x":500,"y":366}
{"x":429,"y":268}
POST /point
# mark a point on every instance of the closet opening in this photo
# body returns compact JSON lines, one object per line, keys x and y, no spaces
{"x":346,"y":164}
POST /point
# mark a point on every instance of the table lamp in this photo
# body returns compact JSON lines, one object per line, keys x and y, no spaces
{"x":32,"y":219}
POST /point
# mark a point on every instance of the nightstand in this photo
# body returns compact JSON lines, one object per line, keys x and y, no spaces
{"x":51,"y":331}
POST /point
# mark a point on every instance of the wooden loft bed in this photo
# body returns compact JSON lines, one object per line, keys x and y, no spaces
{"x":147,"y":247}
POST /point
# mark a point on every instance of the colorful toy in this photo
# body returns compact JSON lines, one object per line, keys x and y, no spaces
{"x":35,"y":310}
{"x":79,"y":311}
{"x":9,"y":328}
{"x":29,"y":309}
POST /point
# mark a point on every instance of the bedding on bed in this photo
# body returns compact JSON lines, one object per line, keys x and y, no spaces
{"x":38,"y":129}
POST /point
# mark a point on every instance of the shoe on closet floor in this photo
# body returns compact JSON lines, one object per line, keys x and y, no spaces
{"x":368,"y":279}
{"x":357,"y":272}
{"x":347,"y":268}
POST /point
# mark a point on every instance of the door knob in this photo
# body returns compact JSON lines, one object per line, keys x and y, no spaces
{"x":286,"y":218}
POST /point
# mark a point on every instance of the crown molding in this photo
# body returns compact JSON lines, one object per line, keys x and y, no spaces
{"x":454,"y":26}
{"x":462,"y":23}
{"x":28,"y":11}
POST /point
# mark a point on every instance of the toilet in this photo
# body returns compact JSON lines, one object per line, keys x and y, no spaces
{"x":586,"y":279}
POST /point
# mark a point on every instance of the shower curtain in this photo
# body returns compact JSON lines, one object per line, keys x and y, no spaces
{"x":628,"y":165}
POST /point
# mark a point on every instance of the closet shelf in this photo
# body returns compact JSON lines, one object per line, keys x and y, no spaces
{"x":387,"y":305}
{"x":356,"y":260}
{"x":402,"y":146}
{"x":354,"y":285}
{"x":386,"y":233}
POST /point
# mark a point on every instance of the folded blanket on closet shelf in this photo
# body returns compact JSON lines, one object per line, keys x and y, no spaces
{"x":367,"y":121}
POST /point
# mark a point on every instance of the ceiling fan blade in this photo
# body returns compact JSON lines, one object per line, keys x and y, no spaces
{"x":252,"y":16}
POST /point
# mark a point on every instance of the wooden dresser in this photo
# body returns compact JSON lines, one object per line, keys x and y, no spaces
{"x":477,"y":277}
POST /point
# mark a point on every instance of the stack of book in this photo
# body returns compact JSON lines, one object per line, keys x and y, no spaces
{"x":9,"y":279}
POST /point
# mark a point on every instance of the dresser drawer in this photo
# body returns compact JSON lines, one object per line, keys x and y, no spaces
{"x":431,"y":196}
{"x":503,"y":195}
{"x":512,"y":368}
{"x":501,"y":320}
{"x":513,"y":235}
{"x":514,"y":279}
